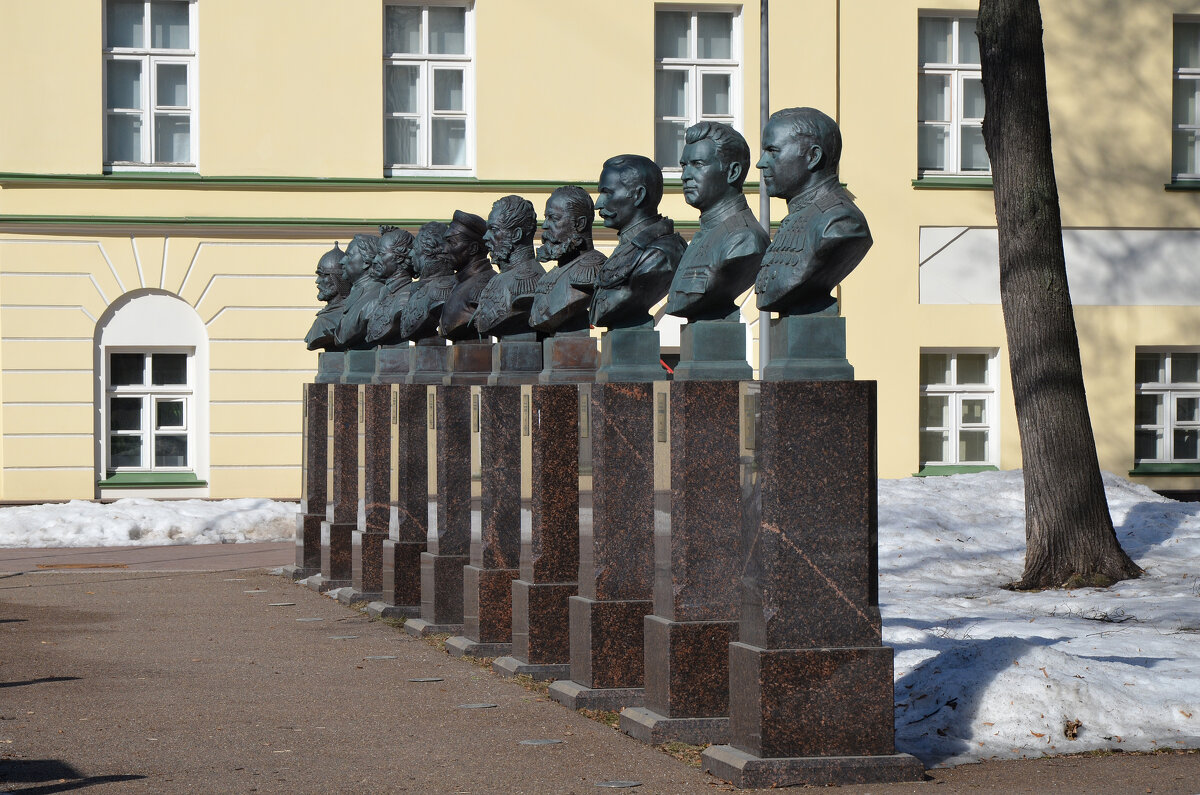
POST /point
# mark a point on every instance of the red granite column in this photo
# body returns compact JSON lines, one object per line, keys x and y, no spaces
{"x":375,"y":486}
{"x":409,"y":515}
{"x":341,"y":517}
{"x":314,"y":475}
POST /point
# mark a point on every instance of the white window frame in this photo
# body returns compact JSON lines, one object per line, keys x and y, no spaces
{"x":151,"y":58}
{"x":696,"y":67}
{"x":1181,"y":129}
{"x":429,"y":62}
{"x":1170,"y":392}
{"x":150,"y":395}
{"x":958,"y":72}
{"x":956,"y":394}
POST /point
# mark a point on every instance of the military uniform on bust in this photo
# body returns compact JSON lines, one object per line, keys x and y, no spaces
{"x":562,"y":296}
{"x":364,"y":290}
{"x":638,"y":273}
{"x":332,"y":289}
{"x":383,"y":324}
{"x":729,"y":233}
{"x":472,"y":270}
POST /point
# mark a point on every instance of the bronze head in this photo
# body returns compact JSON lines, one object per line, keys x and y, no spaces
{"x":464,"y":239}
{"x":430,"y":257}
{"x":631,"y":186}
{"x":330,"y":284}
{"x":395,"y":253}
{"x":358,"y":258}
{"x":567,"y":228}
{"x":715,"y":161}
{"x":510,"y":227}
{"x":799,"y":146}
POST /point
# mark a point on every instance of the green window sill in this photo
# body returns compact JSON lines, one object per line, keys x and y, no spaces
{"x":959,"y":469}
{"x":1183,"y":185}
{"x":1141,"y":470}
{"x":153,"y":480}
{"x":953,"y":183}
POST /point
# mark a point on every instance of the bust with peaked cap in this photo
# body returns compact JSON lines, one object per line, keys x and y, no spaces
{"x":464,"y":244}
{"x":504,"y":303}
{"x":332,"y":289}
{"x":561,"y":299}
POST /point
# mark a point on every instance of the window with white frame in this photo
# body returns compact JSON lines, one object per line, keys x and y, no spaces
{"x":1185,"y":116}
{"x":149,"y":82}
{"x":428,"y":88}
{"x":958,"y":408}
{"x":1167,"y":407}
{"x":949,"y":98}
{"x":697,"y":74}
{"x":150,"y":411}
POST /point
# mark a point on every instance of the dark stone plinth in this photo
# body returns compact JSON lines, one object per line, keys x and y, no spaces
{"x":409,"y":515}
{"x":570,"y":358}
{"x":462,"y":646}
{"x":643,"y":723}
{"x":375,"y":487}
{"x":573,"y":695}
{"x":392,"y":364}
{"x":366,"y":564}
{"x":308,"y":544}
{"x":808,"y":348}
{"x":747,"y":771}
{"x":713,"y":350}
{"x":630,"y":355}
{"x":487,"y":606}
{"x":382,"y":609}
{"x":687,"y":667}
{"x":606,"y":642}
{"x":511,"y":666}
{"x":330,"y":366}
{"x":342,"y":505}
{"x":450,"y":510}
{"x":541,"y":619}
{"x":429,"y":361}
{"x":442,"y":591}
{"x":516,"y":361}
{"x":337,"y":554}
{"x":314,"y":480}
{"x":470,"y":363}
{"x":360,"y":367}
{"x":401,"y":586}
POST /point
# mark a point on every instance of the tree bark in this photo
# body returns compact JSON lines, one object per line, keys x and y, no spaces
{"x":1069,"y":533}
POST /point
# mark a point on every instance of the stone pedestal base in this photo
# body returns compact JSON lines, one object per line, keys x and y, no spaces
{"x":320,"y":583}
{"x":388,"y":610}
{"x":487,"y":612}
{"x":643,"y":723}
{"x":747,"y":771}
{"x":808,"y":348}
{"x":606,"y":642}
{"x":541,"y":620}
{"x":428,"y":362}
{"x":511,"y":666}
{"x":713,"y":350}
{"x":573,"y":695}
{"x":516,"y":362}
{"x":469,"y":363}
{"x":366,"y":564}
{"x":442,"y":591}
{"x":687,"y":667}
{"x":360,"y":367}
{"x":462,"y":646}
{"x":337,"y":561}
{"x":419,"y":628}
{"x":569,"y":359}
{"x":630,"y":355}
{"x":392,"y":364}
{"x":402,"y":576}
{"x":308,"y":544}
{"x":330,"y":366}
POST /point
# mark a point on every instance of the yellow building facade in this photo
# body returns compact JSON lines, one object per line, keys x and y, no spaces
{"x":171,"y":170}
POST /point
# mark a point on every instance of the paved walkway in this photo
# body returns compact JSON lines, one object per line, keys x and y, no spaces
{"x":165,"y":677}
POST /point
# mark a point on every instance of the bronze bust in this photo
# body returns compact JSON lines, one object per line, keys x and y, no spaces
{"x":396,"y":262}
{"x":561,"y":299}
{"x":464,"y":244}
{"x":639,"y":271}
{"x":505,"y":300}
{"x":824,"y":235}
{"x":435,"y":280}
{"x":723,"y":258}
{"x":332,"y":289}
{"x":364,"y":289}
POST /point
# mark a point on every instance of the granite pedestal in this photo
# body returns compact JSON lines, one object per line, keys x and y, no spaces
{"x":360,"y":367}
{"x":630,"y":355}
{"x":449,"y":501}
{"x":341,"y":516}
{"x":713,"y":350}
{"x":330,"y":367}
{"x":470,"y":363}
{"x":428,"y":361}
{"x":616,"y":550}
{"x":570,"y":358}
{"x":697,"y":562}
{"x":392,"y":363}
{"x":808,"y":348}
{"x":376,"y":428}
{"x":810,"y":683}
{"x":314,"y":477}
{"x":516,"y":360}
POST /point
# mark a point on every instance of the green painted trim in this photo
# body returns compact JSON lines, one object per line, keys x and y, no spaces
{"x":960,"y":183}
{"x":1165,"y":469}
{"x":1183,"y":185}
{"x":962,"y":469}
{"x":152,"y":480}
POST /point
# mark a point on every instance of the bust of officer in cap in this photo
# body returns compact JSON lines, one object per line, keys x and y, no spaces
{"x":464,"y":244}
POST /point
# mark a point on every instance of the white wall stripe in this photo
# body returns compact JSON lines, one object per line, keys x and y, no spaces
{"x":162,"y":273}
{"x":111,"y":267}
{"x":137,"y":259}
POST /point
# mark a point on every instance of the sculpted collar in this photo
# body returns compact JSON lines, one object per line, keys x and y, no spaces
{"x":631,"y":231}
{"x":520,"y":256}
{"x":474,"y":268}
{"x":723,"y":209}
{"x":645,"y":232}
{"x":810,"y":194}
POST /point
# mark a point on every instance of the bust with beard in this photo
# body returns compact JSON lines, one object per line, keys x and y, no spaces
{"x":395,"y":255}
{"x":364,"y":289}
{"x":561,"y":299}
{"x":435,"y":281}
{"x":505,"y":300}
{"x":332,"y":289}
{"x":464,"y":244}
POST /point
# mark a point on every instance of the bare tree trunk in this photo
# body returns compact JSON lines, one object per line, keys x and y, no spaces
{"x":1068,"y":530}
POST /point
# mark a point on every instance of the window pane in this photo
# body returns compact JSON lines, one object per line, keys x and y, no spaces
{"x":1183,"y":152}
{"x":671,"y":34}
{"x":935,"y":368}
{"x":973,"y":447}
{"x":714,"y":90}
{"x":169,"y":25}
{"x":1185,"y":101}
{"x":935,"y":411}
{"x":125,"y":451}
{"x":168,"y":414}
{"x":448,"y":31}
{"x":1150,"y":368}
{"x":934,"y":35}
{"x":1187,"y":45}
{"x":127,"y":369}
{"x":670,"y":93}
{"x":935,"y":447}
{"x":972,"y":368}
{"x":449,"y":142}
{"x":403,"y":29}
{"x":1148,"y":409}
{"x":1187,"y":409}
{"x":402,"y":88}
{"x":169,"y":369}
{"x":974,"y":152}
{"x":974,"y":411}
{"x":125,"y":26}
{"x":448,"y":89}
{"x":1186,"y":444}
{"x":171,"y":89}
{"x":170,"y":451}
{"x":933,"y":97}
{"x":972,"y":98}
{"x":968,"y":42}
{"x":124,"y":84}
{"x":125,"y":414}
{"x":668,"y":142}
{"x":124,"y":139}
{"x":400,"y":141}
{"x":1184,"y":368}
{"x":172,"y":139}
{"x":1147,"y":445}
{"x":714,"y":36}
{"x":932,"y":141}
